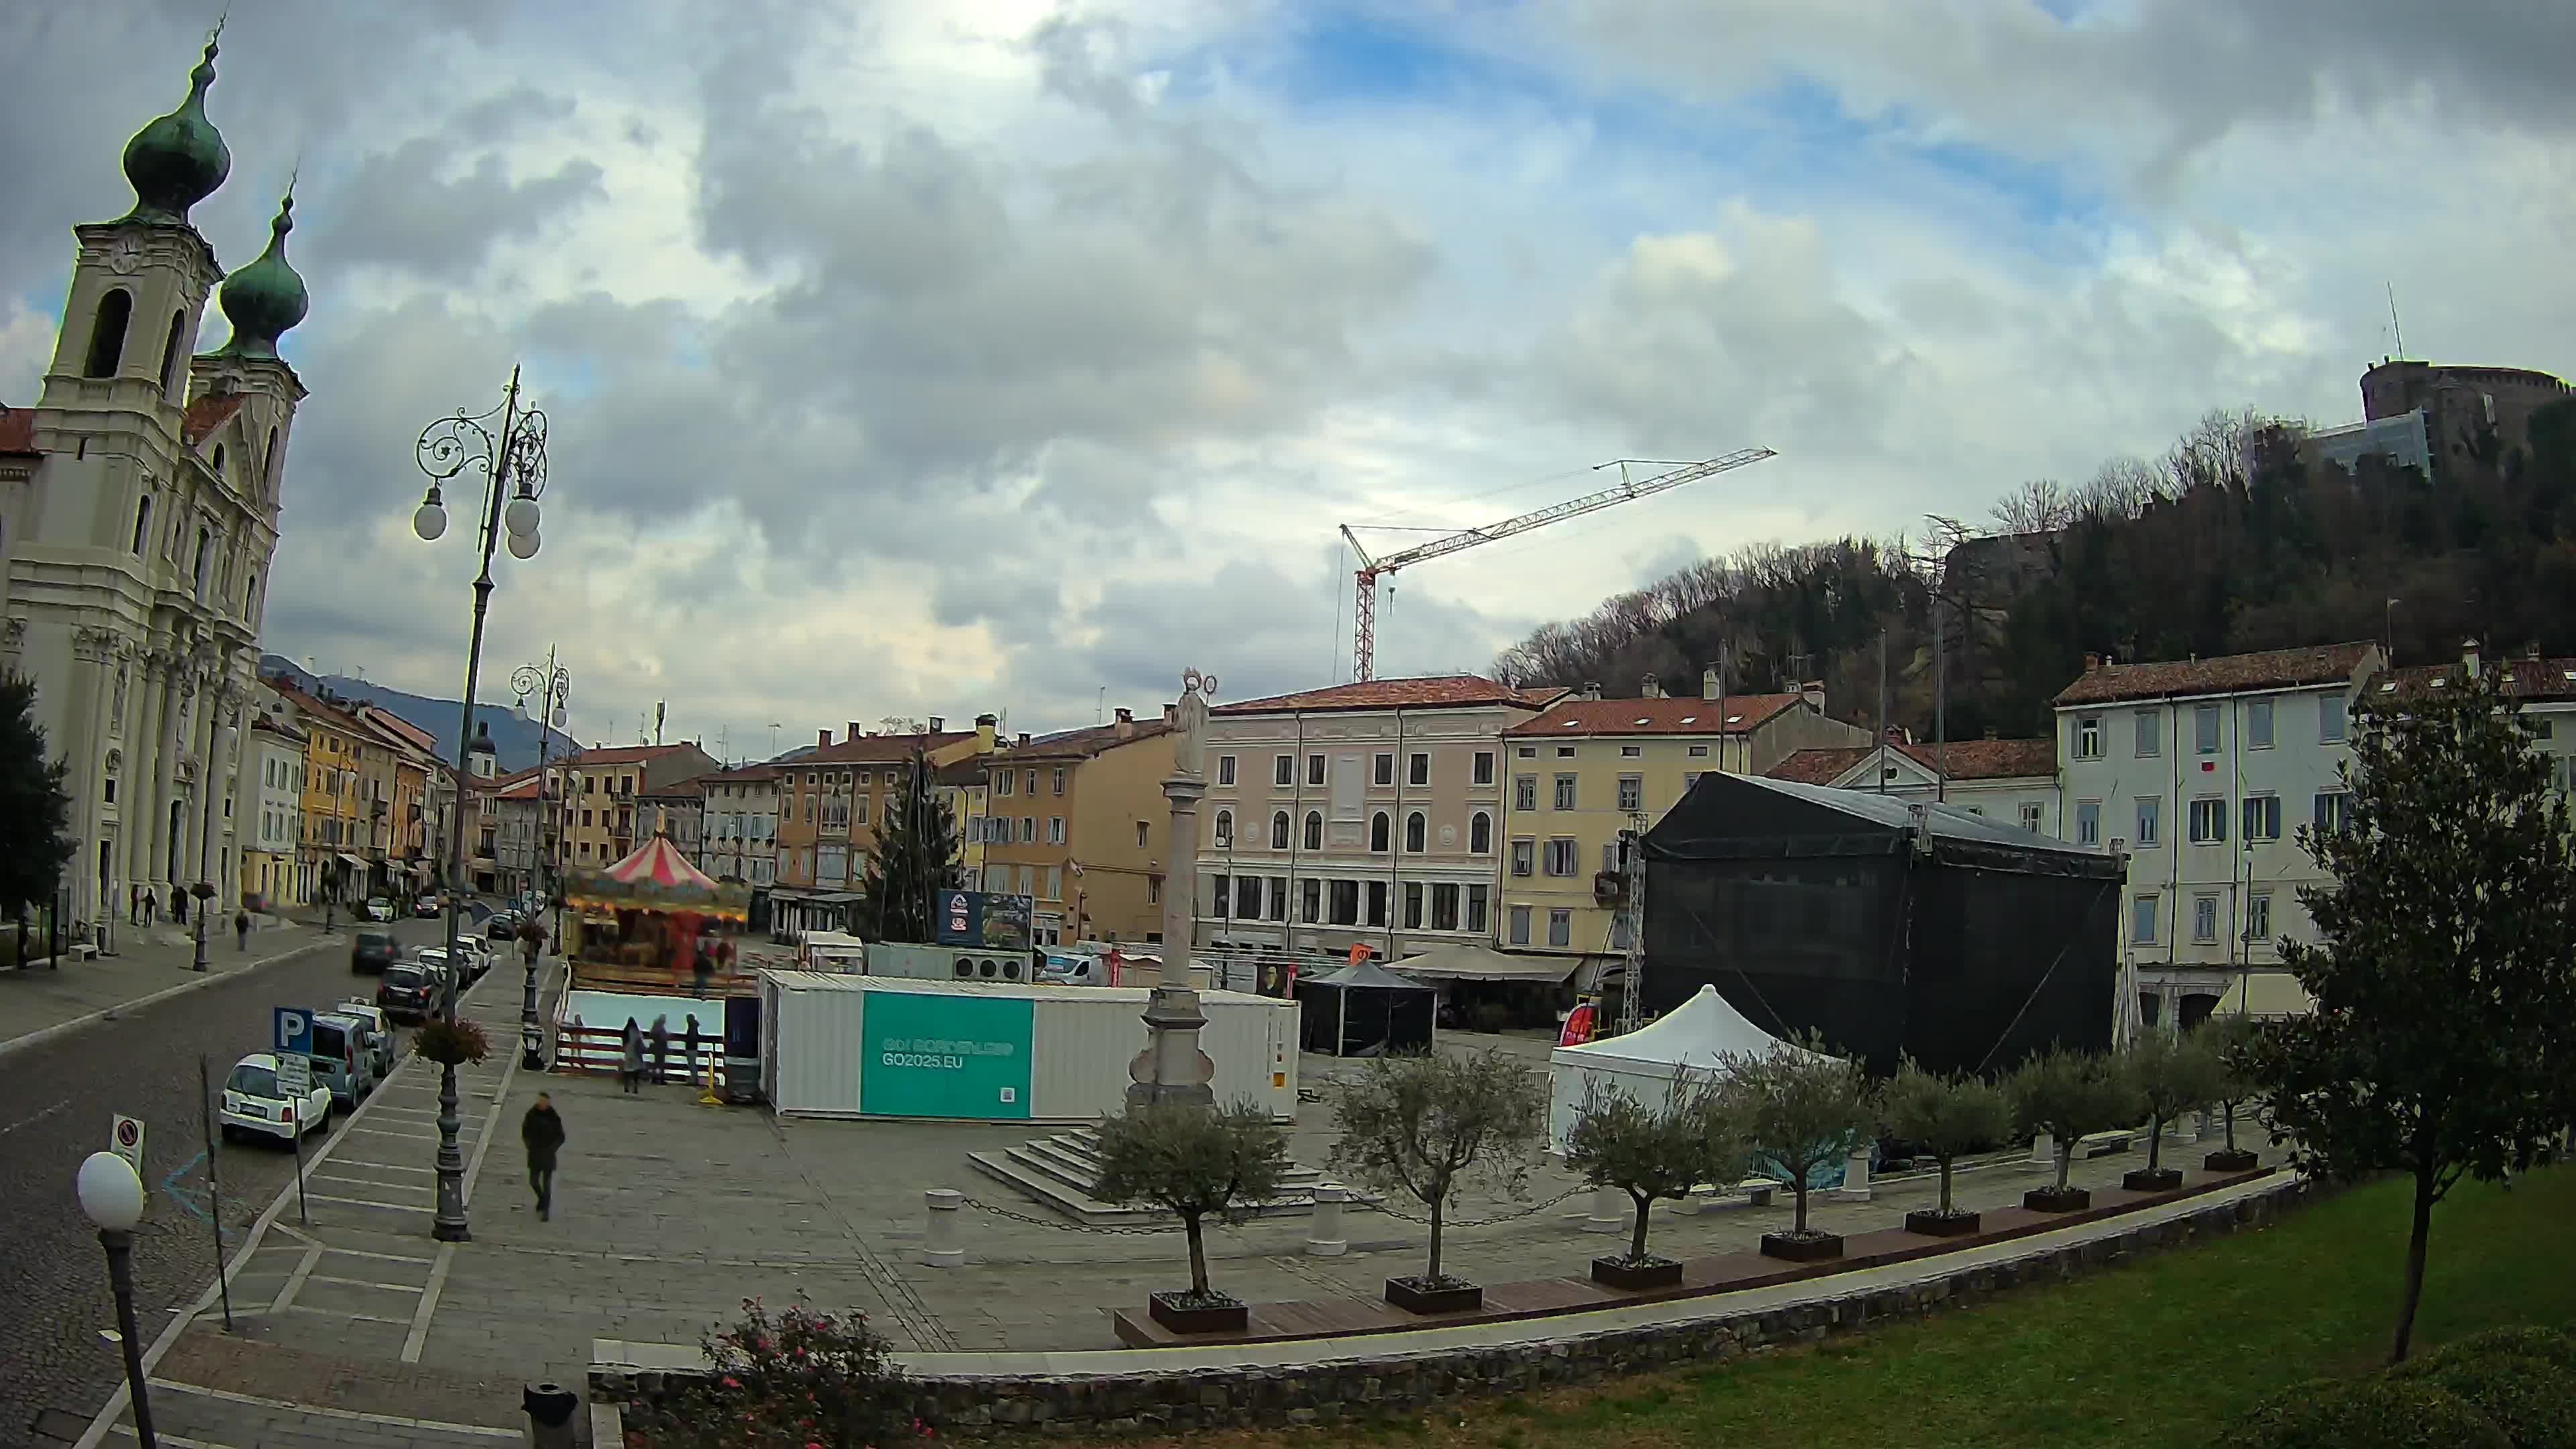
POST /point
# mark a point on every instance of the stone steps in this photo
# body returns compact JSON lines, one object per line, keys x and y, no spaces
{"x":1063,"y":1172}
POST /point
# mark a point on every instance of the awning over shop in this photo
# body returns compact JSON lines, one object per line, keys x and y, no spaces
{"x":1469,"y":962}
{"x":352,"y":862}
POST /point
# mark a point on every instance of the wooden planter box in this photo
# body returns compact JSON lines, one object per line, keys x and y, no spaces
{"x":1637,"y":1277}
{"x":1815,"y":1249}
{"x":1932,"y":1223}
{"x":2152,"y":1179}
{"x":1415,"y":1296}
{"x":1180,"y":1317}
{"x":2231,"y":1160}
{"x":2053,"y":1200}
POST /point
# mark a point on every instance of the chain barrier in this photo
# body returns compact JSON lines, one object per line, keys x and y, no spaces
{"x":1447,"y":1223}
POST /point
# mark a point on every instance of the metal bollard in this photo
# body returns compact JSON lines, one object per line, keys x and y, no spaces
{"x":2043,"y":1151}
{"x":1855,"y":1186}
{"x":939,"y":1246}
{"x":550,"y":1409}
{"x":1325,"y":1236}
{"x":1610,"y":1209}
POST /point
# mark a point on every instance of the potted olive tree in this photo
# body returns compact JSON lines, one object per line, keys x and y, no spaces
{"x":1192,"y":1162}
{"x":1948,"y":1118}
{"x":1426,"y":1126}
{"x":2172,"y":1075}
{"x":2230,"y":1039}
{"x":2067,"y":1094}
{"x":1802,"y":1108}
{"x":1653,"y":1153}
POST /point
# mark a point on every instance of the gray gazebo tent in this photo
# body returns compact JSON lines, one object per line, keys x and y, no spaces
{"x":1364,"y":1010}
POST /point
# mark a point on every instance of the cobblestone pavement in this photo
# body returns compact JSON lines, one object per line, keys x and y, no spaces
{"x":389,"y":1140}
{"x":60,"y":1095}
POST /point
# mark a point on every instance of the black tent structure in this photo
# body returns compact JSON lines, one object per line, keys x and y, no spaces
{"x":1891,"y":926}
{"x":1364,"y":1010}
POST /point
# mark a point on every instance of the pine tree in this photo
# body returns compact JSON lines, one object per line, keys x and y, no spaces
{"x":2443,"y":1042}
{"x":916,"y":856}
{"x":35,"y":809}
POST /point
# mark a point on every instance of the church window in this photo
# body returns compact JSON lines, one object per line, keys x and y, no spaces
{"x":250,"y":595}
{"x":142,"y":524}
{"x":170,"y":351}
{"x":205,"y":551}
{"x":107,"y":333}
{"x":219,"y":461}
{"x":270,"y":460}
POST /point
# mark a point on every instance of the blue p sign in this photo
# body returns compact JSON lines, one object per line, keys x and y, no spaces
{"x":294,"y":1032}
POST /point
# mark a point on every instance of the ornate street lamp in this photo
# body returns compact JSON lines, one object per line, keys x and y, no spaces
{"x":111,"y":1197}
{"x":554,"y":684}
{"x":513,"y":464}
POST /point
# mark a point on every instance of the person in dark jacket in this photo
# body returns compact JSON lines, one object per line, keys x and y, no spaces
{"x":630,"y":1059}
{"x":661,"y":1038}
{"x":543,"y":1132}
{"x":241,"y":928}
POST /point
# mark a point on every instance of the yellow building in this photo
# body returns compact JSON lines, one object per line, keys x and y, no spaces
{"x":832,"y":798}
{"x":964,"y":788}
{"x":602,"y":821}
{"x":1081,"y":825}
{"x":1582,"y":770}
{"x":331,"y":858}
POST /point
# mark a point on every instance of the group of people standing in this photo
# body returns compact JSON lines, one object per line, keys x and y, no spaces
{"x":650,"y":1051}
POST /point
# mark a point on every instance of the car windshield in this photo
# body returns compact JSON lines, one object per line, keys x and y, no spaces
{"x":252,"y":1081}
{"x":375,"y":941}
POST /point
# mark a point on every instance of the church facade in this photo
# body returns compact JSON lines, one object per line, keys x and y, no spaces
{"x":138,"y":514}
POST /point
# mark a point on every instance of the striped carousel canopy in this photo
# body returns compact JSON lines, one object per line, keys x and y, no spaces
{"x":658,"y":864}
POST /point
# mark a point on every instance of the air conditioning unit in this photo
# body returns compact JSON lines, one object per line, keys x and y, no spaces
{"x":1013,"y":968}
{"x":965,"y":969}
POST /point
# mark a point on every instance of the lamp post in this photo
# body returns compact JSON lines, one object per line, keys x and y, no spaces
{"x":554,"y":683}
{"x":111,"y":1197}
{"x":513,"y":463}
{"x":204,"y":891}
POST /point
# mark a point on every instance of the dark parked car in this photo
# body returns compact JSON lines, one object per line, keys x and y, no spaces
{"x":502,"y":926}
{"x":410,"y":992}
{"x":373,"y":951}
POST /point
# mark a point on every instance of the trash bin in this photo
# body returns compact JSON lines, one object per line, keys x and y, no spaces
{"x":550,"y":1409}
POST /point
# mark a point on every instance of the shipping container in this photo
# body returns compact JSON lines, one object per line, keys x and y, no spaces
{"x":872,"y":1046}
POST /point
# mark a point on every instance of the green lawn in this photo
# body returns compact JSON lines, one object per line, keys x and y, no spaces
{"x":2162,"y":1351}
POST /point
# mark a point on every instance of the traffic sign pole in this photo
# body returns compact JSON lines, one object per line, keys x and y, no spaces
{"x":214,"y":1187}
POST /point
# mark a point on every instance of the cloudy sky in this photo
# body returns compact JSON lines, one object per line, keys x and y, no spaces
{"x":915,"y":358}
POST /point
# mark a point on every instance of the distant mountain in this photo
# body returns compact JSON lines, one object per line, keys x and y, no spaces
{"x":515,"y":737}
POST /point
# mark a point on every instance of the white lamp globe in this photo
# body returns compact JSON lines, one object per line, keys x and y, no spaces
{"x":521,"y":515}
{"x":110,"y":1194}
{"x":429,"y":521}
{"x":523,"y":545}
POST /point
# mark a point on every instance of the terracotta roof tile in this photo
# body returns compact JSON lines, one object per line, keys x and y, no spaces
{"x":1965,"y":759}
{"x":2226,"y":674}
{"x":748,"y":774}
{"x":1685,"y":716}
{"x":17,"y":430}
{"x":881,"y":749}
{"x":1434,"y":691}
{"x":2526,"y":678}
{"x":1084,"y":743}
{"x":206,"y":414}
{"x":622,"y":754}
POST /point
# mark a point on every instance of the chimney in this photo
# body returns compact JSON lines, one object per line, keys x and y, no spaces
{"x":938,"y":724}
{"x":1171,"y":715}
{"x":1024,"y":739}
{"x":1591,"y":689}
{"x":1126,"y":724}
{"x":2092,"y":662}
{"x":1708,"y":686}
{"x":823,"y":739}
{"x":985,"y":725}
{"x":1650,"y":688}
{"x":1814,"y":693}
{"x":854,"y":731}
{"x":2469,"y":656}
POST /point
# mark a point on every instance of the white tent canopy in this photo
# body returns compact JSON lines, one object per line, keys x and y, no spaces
{"x":1694,"y":1037}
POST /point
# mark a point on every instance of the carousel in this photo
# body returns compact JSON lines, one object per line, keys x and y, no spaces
{"x":651,"y":940}
{"x":653,"y":919}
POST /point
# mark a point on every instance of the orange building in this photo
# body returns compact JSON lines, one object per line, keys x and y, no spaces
{"x":831,"y":799}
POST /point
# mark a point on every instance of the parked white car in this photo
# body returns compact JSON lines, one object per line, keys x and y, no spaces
{"x":253,"y":1105}
{"x":380,"y":909}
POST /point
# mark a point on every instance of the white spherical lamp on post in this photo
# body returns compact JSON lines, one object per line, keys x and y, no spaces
{"x":111,"y":1197}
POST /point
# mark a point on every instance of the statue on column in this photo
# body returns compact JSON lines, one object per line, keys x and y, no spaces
{"x":1189,"y":734}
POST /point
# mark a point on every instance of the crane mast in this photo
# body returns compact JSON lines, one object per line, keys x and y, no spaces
{"x":1364,"y":615}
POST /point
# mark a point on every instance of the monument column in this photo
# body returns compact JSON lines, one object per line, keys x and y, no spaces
{"x":1172,"y":1068}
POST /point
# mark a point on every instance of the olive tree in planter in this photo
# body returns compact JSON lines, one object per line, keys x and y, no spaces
{"x":1192,"y":1162}
{"x":1651,"y":1154}
{"x":1948,"y":1118}
{"x":2172,"y":1075}
{"x":1428,"y":1125}
{"x":2231,"y":1041}
{"x":1802,"y":1107}
{"x":2067,"y":1094}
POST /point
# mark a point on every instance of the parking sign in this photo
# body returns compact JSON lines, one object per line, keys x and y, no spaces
{"x":294,"y":1031}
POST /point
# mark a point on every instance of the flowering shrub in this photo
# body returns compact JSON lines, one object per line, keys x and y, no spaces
{"x":795,"y":1379}
{"x":452,"y":1043}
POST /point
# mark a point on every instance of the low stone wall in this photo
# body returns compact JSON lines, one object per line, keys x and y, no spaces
{"x":1366,"y":1385}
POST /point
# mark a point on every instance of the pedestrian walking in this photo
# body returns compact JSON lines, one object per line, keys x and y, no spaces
{"x":241,"y":929}
{"x":134,"y":905}
{"x":689,"y":1050}
{"x":543,"y":1132}
{"x":661,"y":1049}
{"x":151,"y":906}
{"x":630,"y":1065}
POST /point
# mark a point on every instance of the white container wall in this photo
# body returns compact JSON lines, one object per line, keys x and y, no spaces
{"x":946,"y":1049}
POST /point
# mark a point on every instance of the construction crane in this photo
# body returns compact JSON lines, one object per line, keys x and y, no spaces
{"x":1364,"y":644}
